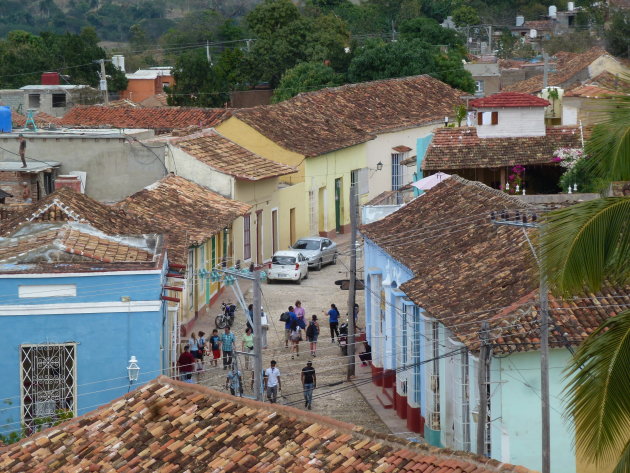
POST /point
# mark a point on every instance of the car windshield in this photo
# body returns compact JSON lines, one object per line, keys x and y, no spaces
{"x":283,"y":260}
{"x":306,"y":245}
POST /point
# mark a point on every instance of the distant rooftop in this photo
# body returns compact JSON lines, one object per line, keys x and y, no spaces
{"x":53,"y":87}
{"x":31,"y":166}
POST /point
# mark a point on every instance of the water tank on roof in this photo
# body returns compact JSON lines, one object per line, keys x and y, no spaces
{"x":533,"y":33}
{"x":570,"y":6}
{"x":553,"y":11}
{"x":50,"y":78}
{"x":5,"y":120}
{"x":520,"y":19}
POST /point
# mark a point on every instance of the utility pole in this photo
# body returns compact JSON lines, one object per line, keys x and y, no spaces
{"x":545,"y":70}
{"x":482,"y":375}
{"x":103,"y":83}
{"x":258,"y":364}
{"x":208,"y":52}
{"x":353,"y":279}
{"x":522,"y":220}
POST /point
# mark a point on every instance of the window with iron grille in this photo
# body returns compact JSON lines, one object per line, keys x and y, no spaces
{"x":416,"y":355}
{"x":48,"y":375}
{"x":247,"y":237}
{"x":465,"y":401}
{"x":397,"y":171}
{"x":433,"y":388}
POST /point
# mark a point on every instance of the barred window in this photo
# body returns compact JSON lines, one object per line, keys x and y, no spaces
{"x":48,"y":383}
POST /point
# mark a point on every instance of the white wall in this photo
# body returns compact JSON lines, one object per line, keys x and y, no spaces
{"x":380,"y":149}
{"x":570,"y":108}
{"x":184,"y":165}
{"x":513,"y":121}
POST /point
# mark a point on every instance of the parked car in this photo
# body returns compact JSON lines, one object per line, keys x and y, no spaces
{"x":318,"y":250}
{"x":288,"y":265}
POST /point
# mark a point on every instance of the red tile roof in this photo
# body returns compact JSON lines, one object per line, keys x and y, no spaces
{"x":508,"y":99}
{"x":186,"y":212}
{"x":170,"y":426}
{"x":568,"y":65}
{"x":156,"y":118}
{"x":461,"y":148}
{"x":540,"y":24}
{"x":41,"y":120}
{"x":320,"y":122}
{"x":216,"y":151}
{"x":602,"y":86}
{"x":495,"y":276}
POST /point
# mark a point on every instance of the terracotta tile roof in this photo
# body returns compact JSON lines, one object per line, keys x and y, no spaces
{"x":540,"y":24}
{"x":401,"y":149}
{"x":157,"y":100}
{"x":601,"y":86}
{"x":319,"y":122}
{"x":508,"y":99}
{"x":186,"y":212}
{"x":78,"y":243}
{"x":216,"y":151}
{"x":68,"y":205}
{"x":155,"y":118}
{"x":467,"y":270}
{"x":123,"y":103}
{"x":170,"y":426}
{"x":41,"y":120}
{"x":567,"y":66}
{"x":461,"y":148}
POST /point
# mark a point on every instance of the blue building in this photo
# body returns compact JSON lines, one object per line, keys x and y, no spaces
{"x":76,"y":304}
{"x":435,"y":270}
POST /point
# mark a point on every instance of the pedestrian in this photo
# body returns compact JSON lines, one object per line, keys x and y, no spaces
{"x":250,"y":311}
{"x":295,"y":337}
{"x":215,"y":346}
{"x":22,"y":149}
{"x":264,"y":325}
{"x":356,"y":317}
{"x":227,"y":343}
{"x":193,"y":343}
{"x":201,"y":347}
{"x":301,"y":314}
{"x":309,"y":382}
{"x":287,"y":326}
{"x":234,"y":381}
{"x":366,"y":356}
{"x":333,"y":321}
{"x":186,"y":364}
{"x":272,"y":382}
{"x":312,"y":332}
{"x":247,"y":345}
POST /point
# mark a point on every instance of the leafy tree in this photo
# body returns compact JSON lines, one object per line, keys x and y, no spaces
{"x":618,"y":34}
{"x":197,"y":83}
{"x":430,"y":31}
{"x":195,"y":27}
{"x":583,"y":246}
{"x":573,"y":42}
{"x":306,"y":77}
{"x":272,"y":15}
{"x":450,"y":69}
{"x":466,"y":15}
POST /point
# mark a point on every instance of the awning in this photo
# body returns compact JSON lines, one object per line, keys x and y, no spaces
{"x":428,"y":182}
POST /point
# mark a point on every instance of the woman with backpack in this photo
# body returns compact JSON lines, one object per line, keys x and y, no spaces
{"x":312,"y":332}
{"x":295,"y":336}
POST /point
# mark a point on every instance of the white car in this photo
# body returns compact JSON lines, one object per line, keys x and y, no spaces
{"x":288,"y":265}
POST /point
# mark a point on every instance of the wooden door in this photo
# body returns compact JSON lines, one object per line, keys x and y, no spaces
{"x":338,"y":205}
{"x":259,"y":230}
{"x":274,"y":231}
{"x":292,"y":226}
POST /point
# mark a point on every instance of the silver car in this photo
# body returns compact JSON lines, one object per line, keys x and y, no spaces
{"x":317,"y":250}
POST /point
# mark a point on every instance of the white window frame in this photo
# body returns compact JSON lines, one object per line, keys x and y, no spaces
{"x":398,"y":172}
{"x":71,"y":351}
{"x":247,"y":237}
{"x":479,"y":87}
{"x":433,"y":418}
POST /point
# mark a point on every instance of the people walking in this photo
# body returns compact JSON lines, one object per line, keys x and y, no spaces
{"x":366,"y":356}
{"x":333,"y":321}
{"x":227,"y":345}
{"x":301,"y":314}
{"x":234,"y":381}
{"x":309,"y":382}
{"x":201,"y":346}
{"x":247,"y":345}
{"x":22,"y":149}
{"x":193,"y":343}
{"x":186,"y":365}
{"x":272,"y":383}
{"x":295,"y":336}
{"x":312,"y":332}
{"x":355,"y":314}
{"x":287,"y":326}
{"x":215,"y":346}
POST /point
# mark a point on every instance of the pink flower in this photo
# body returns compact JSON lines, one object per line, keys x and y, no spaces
{"x":557,"y":159}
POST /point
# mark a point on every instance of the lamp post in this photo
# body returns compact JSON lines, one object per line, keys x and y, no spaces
{"x":379,"y":166}
{"x":133,"y":370}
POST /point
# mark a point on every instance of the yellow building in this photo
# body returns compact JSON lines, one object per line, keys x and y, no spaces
{"x":337,"y":137}
{"x":198,"y":225}
{"x":213,"y":161}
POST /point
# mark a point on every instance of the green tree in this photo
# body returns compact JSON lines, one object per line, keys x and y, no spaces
{"x":195,"y":27}
{"x":197,"y":83}
{"x":466,"y":15}
{"x":306,"y":77}
{"x":582,"y":247}
{"x":430,"y":31}
{"x":618,"y":34}
{"x":272,"y":15}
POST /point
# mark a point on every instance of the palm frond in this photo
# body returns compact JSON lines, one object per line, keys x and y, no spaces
{"x":623,"y":465}
{"x":586,"y":243}
{"x":609,"y":145}
{"x":598,"y":387}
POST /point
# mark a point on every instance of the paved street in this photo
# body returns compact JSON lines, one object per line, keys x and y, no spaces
{"x":334,"y":396}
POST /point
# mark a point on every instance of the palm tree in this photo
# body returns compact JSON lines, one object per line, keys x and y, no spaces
{"x":583,"y":247}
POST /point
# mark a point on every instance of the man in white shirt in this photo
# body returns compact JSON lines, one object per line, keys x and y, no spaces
{"x":272,"y":382}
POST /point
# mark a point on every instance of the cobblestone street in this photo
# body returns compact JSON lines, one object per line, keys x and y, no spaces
{"x":334,"y":396}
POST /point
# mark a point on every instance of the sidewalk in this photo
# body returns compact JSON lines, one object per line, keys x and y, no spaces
{"x":395,"y":424}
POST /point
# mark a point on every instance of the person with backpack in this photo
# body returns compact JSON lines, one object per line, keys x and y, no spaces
{"x":288,"y":324}
{"x":333,"y":321}
{"x":312,"y":332}
{"x":309,"y":382}
{"x":296,"y":337}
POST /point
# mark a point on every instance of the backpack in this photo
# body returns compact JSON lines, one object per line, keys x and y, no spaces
{"x":284,"y":317}
{"x":294,"y":325}
{"x":311,"y":330}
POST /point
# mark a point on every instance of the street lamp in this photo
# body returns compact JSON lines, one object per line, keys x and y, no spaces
{"x":379,"y":166}
{"x":133,"y":370}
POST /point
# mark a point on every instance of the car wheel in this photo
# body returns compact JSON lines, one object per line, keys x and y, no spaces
{"x":306,"y":275}
{"x":319,"y":265}
{"x":299,"y":281}
{"x":334,"y":260}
